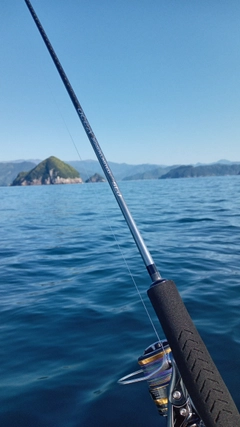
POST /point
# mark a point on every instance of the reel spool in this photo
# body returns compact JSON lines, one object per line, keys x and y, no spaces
{"x":154,"y":356}
{"x":156,"y":368}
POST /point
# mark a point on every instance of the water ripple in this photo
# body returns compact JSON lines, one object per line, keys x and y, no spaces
{"x":72,"y":322}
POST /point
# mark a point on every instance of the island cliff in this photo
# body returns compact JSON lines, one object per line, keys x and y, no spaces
{"x":50,"y":171}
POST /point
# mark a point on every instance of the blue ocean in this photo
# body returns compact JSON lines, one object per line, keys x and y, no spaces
{"x":72,"y":322}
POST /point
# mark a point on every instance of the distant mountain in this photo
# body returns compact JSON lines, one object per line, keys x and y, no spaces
{"x":226,"y":162}
{"x":9,"y":171}
{"x":189,"y":171}
{"x":124,"y":171}
{"x":95,"y":178}
{"x":87,"y":168}
{"x":35,"y":161}
{"x":50,"y":171}
{"x":153,"y":173}
{"x":222,"y":161}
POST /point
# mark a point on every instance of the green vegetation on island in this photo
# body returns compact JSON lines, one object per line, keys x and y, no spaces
{"x":50,"y":171}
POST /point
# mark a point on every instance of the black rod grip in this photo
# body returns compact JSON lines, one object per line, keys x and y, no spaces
{"x":208,"y":392}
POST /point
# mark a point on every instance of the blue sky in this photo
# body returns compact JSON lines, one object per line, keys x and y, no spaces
{"x":158,"y":80}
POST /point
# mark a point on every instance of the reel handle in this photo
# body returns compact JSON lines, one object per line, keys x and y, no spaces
{"x":208,"y":392}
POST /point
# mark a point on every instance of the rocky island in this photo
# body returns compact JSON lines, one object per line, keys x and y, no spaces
{"x":95,"y":178}
{"x":50,"y":171}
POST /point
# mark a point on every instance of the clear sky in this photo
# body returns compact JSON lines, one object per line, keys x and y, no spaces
{"x":158,"y":80}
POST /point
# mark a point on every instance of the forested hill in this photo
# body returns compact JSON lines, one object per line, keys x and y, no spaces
{"x":215,"y":169}
{"x":50,"y":171}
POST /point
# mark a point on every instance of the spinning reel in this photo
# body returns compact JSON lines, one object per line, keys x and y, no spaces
{"x":165,"y":386}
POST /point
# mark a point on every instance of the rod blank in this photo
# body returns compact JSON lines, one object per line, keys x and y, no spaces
{"x":144,"y":252}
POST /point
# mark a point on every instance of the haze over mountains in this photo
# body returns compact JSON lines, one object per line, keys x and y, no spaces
{"x":124,"y":171}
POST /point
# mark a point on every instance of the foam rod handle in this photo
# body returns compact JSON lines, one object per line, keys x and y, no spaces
{"x":208,"y":392}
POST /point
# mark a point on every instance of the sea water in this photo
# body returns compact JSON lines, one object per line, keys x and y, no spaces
{"x":72,"y":322}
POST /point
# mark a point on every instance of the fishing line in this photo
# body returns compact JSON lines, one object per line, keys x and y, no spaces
{"x":115,"y":238}
{"x":190,"y":354}
{"x":146,"y":256}
{"x":103,"y":212}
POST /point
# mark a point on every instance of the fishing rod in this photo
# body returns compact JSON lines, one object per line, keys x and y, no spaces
{"x":182,"y":378}
{"x":151,"y":268}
